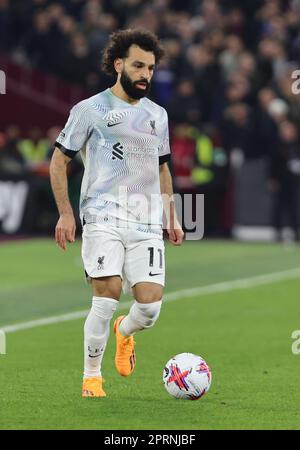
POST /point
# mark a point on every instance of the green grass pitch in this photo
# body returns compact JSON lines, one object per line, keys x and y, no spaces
{"x":244,"y":335}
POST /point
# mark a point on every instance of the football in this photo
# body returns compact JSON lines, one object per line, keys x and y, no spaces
{"x":187,"y":376}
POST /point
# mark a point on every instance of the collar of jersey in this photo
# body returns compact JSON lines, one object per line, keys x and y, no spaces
{"x":123,"y":101}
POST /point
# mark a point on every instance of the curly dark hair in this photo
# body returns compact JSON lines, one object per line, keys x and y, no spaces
{"x":120,"y":41}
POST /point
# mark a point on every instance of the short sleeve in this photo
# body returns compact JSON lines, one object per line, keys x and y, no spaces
{"x":164,"y":152}
{"x":75,"y":133}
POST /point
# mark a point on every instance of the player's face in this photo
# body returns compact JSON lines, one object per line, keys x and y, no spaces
{"x":137,"y":72}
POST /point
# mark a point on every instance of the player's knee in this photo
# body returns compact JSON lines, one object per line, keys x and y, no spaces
{"x":148,"y":313}
{"x":109,"y":293}
{"x":110,"y":287}
{"x":148,"y":292}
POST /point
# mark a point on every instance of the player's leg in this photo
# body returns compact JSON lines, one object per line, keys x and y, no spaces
{"x":144,"y":269}
{"x":106,"y":293}
{"x":103,"y":256}
{"x":145,"y":310}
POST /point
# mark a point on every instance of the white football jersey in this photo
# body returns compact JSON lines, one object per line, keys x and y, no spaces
{"x":121,"y":146}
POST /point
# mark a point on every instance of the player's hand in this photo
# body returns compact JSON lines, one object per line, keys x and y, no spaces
{"x":65,"y":230}
{"x":175,"y":233}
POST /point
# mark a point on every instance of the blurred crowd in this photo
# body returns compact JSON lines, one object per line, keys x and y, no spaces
{"x":32,"y":154}
{"x":29,"y":155}
{"x":28,"y":159}
{"x":228,"y":51}
{"x":226,"y":80}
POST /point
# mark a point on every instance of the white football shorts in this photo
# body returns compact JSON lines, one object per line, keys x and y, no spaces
{"x":135,"y":255}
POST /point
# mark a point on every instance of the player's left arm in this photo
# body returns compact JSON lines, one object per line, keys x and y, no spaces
{"x":174,"y":229}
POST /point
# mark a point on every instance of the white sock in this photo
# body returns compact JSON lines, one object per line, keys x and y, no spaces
{"x":140,"y":316}
{"x":96,"y":333}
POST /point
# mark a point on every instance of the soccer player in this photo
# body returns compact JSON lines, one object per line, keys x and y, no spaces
{"x":124,"y":143}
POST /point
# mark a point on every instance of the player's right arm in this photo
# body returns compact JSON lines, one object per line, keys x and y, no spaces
{"x":69,"y":142}
{"x":66,"y":226}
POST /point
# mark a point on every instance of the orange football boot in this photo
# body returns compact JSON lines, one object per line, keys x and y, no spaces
{"x":92,"y":387}
{"x":125,"y":355}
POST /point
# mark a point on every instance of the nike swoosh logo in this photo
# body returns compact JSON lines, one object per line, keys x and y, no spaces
{"x":154,"y":274}
{"x":96,"y":356}
{"x":113,"y":124}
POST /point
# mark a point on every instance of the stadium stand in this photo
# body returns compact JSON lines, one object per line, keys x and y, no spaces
{"x":229,"y":65}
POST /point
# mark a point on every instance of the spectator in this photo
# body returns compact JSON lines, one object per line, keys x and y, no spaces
{"x":38,"y":43}
{"x":163,"y":81}
{"x":34,"y":149}
{"x":284,"y":179}
{"x":184,"y":106}
{"x":11,"y":161}
{"x":5,"y":25}
{"x":78,"y":64}
{"x":205,"y":70}
{"x":278,"y":110}
{"x":239,"y":131}
{"x":265,"y":123}
{"x":229,"y":58}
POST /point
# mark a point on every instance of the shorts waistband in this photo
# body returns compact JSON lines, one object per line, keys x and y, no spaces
{"x":120,"y":223}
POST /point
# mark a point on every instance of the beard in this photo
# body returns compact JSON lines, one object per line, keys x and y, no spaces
{"x":131,"y":88}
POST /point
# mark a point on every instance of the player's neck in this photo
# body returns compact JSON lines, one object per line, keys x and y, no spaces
{"x":118,"y":91}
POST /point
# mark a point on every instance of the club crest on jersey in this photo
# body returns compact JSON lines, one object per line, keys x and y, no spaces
{"x":153,"y":129}
{"x":101,"y":263}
